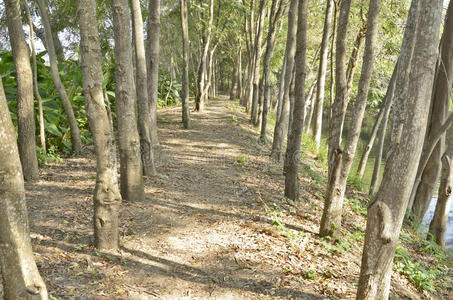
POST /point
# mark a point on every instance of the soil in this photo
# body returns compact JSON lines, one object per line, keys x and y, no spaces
{"x":214,"y":224}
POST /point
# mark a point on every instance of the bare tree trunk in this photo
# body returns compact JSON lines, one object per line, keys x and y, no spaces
{"x":130,"y":163}
{"x":144,"y":111}
{"x":239,"y":63}
{"x":386,"y":211}
{"x":277,"y":11}
{"x":309,"y":109}
{"x":106,"y":197}
{"x":292,"y":157}
{"x":21,"y":279}
{"x":319,"y":100}
{"x":153,"y":64}
{"x":42,"y":133}
{"x":428,"y":173}
{"x":281,"y":126}
{"x":234,"y":82}
{"x":76,"y":142}
{"x":333,"y":205}
{"x":185,"y":66}
{"x":24,"y":77}
{"x":201,"y":96}
{"x":281,"y":91}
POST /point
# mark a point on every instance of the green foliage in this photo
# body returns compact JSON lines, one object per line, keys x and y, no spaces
{"x":50,"y":156}
{"x":168,"y":90}
{"x":357,"y":206}
{"x":309,"y":274}
{"x":355,"y":181}
{"x":242,"y":160}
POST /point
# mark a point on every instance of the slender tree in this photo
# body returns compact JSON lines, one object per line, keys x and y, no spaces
{"x":185,"y":66}
{"x":281,"y":126}
{"x":386,"y":211}
{"x":21,"y":279}
{"x":319,"y":100}
{"x":145,"y":122}
{"x":107,"y":198}
{"x":153,"y":64}
{"x":25,"y":107}
{"x":292,"y":157}
{"x":339,"y":172}
{"x":130,"y":163}
{"x":76,"y":142}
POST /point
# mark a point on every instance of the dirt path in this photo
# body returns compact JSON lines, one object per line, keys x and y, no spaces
{"x":214,"y":224}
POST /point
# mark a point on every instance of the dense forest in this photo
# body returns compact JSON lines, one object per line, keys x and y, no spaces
{"x":226,"y":149}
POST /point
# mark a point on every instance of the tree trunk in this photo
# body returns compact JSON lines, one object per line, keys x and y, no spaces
{"x":144,"y":113}
{"x":256,"y":64}
{"x":42,"y":133}
{"x":426,"y":182}
{"x":106,"y":197}
{"x":292,"y":157}
{"x":234,"y":82}
{"x":153,"y":64}
{"x":201,"y":96}
{"x":309,"y":109}
{"x":130,"y":163}
{"x":239,"y":63}
{"x":281,"y":90}
{"x":319,"y":100}
{"x":333,"y":205}
{"x":76,"y":142}
{"x":386,"y":211}
{"x":185,"y":65}
{"x":277,"y":11}
{"x":281,"y":126}
{"x":21,"y":279}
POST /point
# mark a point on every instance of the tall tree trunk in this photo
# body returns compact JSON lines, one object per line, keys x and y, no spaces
{"x":319,"y":100}
{"x":281,"y":90}
{"x":239,"y":64}
{"x":281,"y":126}
{"x":24,"y":77}
{"x":386,"y":211}
{"x":381,"y":138}
{"x":185,"y":65}
{"x":234,"y":82}
{"x":427,"y":175}
{"x":107,"y":198}
{"x":76,"y":142}
{"x":21,"y":279}
{"x":333,"y":205}
{"x":42,"y":133}
{"x":256,"y":64}
{"x":309,"y":109}
{"x":292,"y":157}
{"x":153,"y":64}
{"x":145,"y":121}
{"x":277,"y":10}
{"x":130,"y":163}
{"x":201,"y":96}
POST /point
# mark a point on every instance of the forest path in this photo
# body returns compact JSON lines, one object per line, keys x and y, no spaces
{"x":214,"y":224}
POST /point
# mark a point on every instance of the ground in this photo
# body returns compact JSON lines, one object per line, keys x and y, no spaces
{"x":214,"y":224}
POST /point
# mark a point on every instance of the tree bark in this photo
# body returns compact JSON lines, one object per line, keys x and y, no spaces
{"x":279,"y":103}
{"x":130,"y":163}
{"x":145,"y":121}
{"x":319,"y":100}
{"x":106,"y":197}
{"x":42,"y":133}
{"x":277,"y":10}
{"x":153,"y":65}
{"x":333,"y":205}
{"x":428,"y":173}
{"x":185,"y":65}
{"x":76,"y":142}
{"x":292,"y":157}
{"x":386,"y":211}
{"x":24,"y":77}
{"x":21,"y":279}
{"x":309,"y":109}
{"x":281,"y":126}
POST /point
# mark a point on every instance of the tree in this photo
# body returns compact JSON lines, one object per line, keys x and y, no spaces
{"x":76,"y":142}
{"x":145,"y":122}
{"x":153,"y":64}
{"x":333,"y":205}
{"x":319,"y":100}
{"x":107,"y":198}
{"x":281,"y":126}
{"x":21,"y":279}
{"x":386,"y":211}
{"x":130,"y":164}
{"x":25,"y":110}
{"x":185,"y":66}
{"x":292,"y":157}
